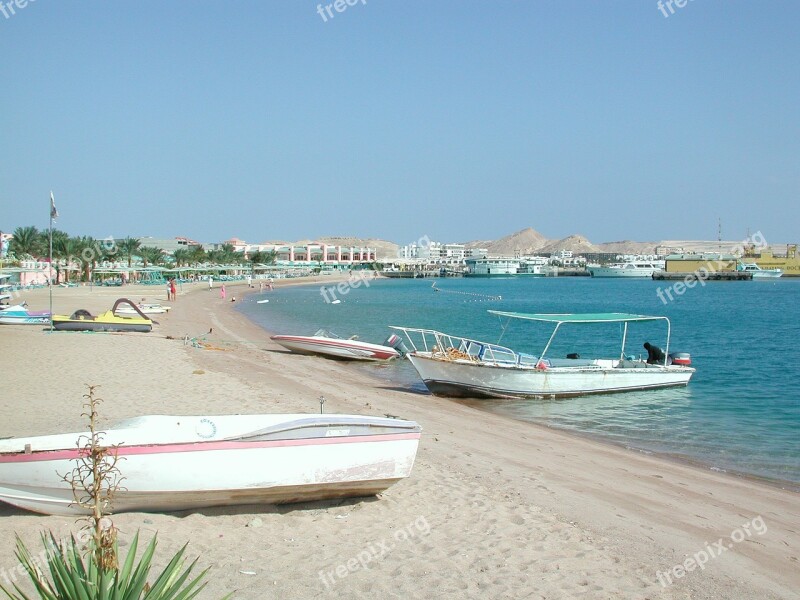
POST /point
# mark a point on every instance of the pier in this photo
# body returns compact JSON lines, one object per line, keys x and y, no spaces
{"x":709,"y":276}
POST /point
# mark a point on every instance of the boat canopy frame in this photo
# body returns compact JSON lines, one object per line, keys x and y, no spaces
{"x":583,"y":319}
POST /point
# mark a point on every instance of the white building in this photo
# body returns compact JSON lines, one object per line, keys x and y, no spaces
{"x":476,"y":253}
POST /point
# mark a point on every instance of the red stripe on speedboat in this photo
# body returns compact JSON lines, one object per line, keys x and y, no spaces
{"x":329,"y":342}
{"x":10,"y":457}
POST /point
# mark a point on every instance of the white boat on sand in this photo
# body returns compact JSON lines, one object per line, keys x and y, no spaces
{"x":326,"y":343}
{"x":147,"y":308}
{"x":190,"y":462}
{"x":462,"y":367}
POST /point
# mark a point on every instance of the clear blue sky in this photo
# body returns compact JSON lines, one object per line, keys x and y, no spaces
{"x":454,"y":119}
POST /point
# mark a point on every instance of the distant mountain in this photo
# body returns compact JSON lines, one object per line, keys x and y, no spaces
{"x":530,"y":241}
{"x":576,"y":243}
{"x":526,"y":241}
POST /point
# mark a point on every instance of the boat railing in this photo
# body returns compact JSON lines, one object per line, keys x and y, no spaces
{"x":445,"y":346}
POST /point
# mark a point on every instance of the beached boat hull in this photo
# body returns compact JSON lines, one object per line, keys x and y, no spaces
{"x":147,"y":309}
{"x":219,"y":461}
{"x":335,"y":348}
{"x":468,"y":379}
{"x":19,"y":315}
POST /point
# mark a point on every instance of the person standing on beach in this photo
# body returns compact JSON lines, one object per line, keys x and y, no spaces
{"x":210,"y":282}
{"x":222,"y":292}
{"x":169,"y":290}
{"x":173,"y":289}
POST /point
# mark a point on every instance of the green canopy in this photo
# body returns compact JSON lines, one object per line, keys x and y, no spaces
{"x":578,"y":317}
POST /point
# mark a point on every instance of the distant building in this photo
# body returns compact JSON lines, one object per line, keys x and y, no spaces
{"x":662,"y":251}
{"x":710,"y":263}
{"x":5,"y":242}
{"x":168,"y":245}
{"x":453,"y":253}
{"x":476,"y":253}
{"x":310,"y":253}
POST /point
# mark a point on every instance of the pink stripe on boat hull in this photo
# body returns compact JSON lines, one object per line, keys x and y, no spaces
{"x":11,"y":457}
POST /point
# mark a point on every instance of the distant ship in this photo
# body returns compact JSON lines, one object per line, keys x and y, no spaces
{"x":758,"y":272}
{"x":789,"y":264}
{"x":628,"y":268}
{"x":530,"y":266}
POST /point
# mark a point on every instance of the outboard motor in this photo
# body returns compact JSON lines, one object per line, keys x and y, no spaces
{"x":396,"y":342}
{"x":681,"y":358}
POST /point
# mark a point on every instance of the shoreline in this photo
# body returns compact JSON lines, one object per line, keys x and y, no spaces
{"x":514,"y":508}
{"x":698,"y":463}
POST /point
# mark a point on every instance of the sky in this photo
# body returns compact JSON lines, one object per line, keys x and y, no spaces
{"x":452,"y":119}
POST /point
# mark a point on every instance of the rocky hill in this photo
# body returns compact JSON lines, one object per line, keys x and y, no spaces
{"x":526,"y":241}
{"x":576,"y":243}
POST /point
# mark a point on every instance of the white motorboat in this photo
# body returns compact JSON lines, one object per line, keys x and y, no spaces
{"x":758,"y":272}
{"x":326,"y":343}
{"x":18,"y":314}
{"x":461,"y":367}
{"x":144,"y":307}
{"x":630,"y":268}
{"x":190,"y":462}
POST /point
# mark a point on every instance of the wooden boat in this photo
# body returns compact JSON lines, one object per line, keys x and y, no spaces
{"x":326,"y":343}
{"x":461,"y":367}
{"x":191,"y":462}
{"x":19,"y":314}
{"x":82,"y":320}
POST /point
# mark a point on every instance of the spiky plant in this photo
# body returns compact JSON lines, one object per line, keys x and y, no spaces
{"x":73,"y":573}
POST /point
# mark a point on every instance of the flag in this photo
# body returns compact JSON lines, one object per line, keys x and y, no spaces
{"x":53,"y":211}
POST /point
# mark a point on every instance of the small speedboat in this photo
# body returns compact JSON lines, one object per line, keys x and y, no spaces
{"x":192,"y":462}
{"x":326,"y":343}
{"x":83,"y":320}
{"x":19,"y":314}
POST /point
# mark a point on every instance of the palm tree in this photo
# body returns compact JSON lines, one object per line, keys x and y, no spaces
{"x":89,"y":252}
{"x":151,"y":255}
{"x":257,"y":257}
{"x":129,"y":246}
{"x":197,"y":254}
{"x":226,"y":255}
{"x":26,"y":241}
{"x":66,"y":251}
{"x":181,"y":256}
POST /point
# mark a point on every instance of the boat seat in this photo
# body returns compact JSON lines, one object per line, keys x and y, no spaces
{"x":81,"y":314}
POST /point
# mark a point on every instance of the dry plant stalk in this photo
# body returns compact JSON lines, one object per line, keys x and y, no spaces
{"x":94,"y":481}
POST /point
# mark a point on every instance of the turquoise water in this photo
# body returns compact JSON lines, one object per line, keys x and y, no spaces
{"x":740,"y":413}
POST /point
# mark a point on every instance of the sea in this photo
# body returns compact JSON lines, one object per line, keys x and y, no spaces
{"x":739,"y":414}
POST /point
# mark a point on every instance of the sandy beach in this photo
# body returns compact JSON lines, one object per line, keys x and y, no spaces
{"x":494,"y":508}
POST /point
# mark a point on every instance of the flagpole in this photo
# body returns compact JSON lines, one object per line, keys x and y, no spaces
{"x":50,"y":267}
